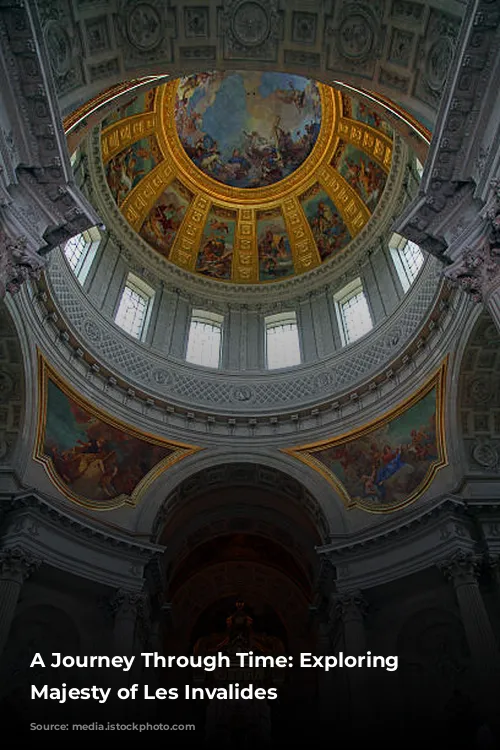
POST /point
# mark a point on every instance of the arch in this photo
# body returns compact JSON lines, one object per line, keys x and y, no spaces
{"x":252,"y":581}
{"x":477,"y":398}
{"x":13,"y":395}
{"x":312,"y":490}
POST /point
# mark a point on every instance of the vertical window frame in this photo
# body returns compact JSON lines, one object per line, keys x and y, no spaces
{"x":275,"y":322}
{"x":341,"y":300}
{"x":194,"y":343}
{"x":141,"y":289}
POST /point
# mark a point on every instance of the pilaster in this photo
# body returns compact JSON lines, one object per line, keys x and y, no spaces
{"x":16,"y":566}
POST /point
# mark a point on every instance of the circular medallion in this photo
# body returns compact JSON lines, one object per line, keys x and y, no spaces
{"x":162,"y":377}
{"x":250,"y":24}
{"x":486,"y":455}
{"x":480,"y":390}
{"x":356,"y":37}
{"x":92,"y":331}
{"x":144,"y":27}
{"x":438,"y":63}
{"x":59,"y":47}
{"x":242,"y":393}
{"x":247,"y":130}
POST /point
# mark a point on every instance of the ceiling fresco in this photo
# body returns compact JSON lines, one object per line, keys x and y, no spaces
{"x":389,"y":463}
{"x":246,"y":177}
{"x":95,"y":460}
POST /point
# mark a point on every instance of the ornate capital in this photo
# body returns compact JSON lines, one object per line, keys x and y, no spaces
{"x":18,"y":263}
{"x":351,"y":606}
{"x":478,"y":270}
{"x":125,"y":603}
{"x":16,"y":564}
{"x":460,"y":568}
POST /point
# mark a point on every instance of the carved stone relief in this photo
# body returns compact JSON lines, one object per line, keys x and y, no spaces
{"x":435,"y":56}
{"x":146,"y":30}
{"x":63,"y":45}
{"x":479,"y":397}
{"x":356,"y":37}
{"x":11,"y":385}
{"x":196,"y":22}
{"x":251,"y":29}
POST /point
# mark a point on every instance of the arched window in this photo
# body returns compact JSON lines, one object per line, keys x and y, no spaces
{"x":204,"y":344}
{"x":408,"y":259}
{"x":80,"y":251}
{"x":135,"y":307}
{"x":353,"y":312}
{"x":282,"y":341}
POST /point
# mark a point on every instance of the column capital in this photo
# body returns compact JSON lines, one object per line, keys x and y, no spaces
{"x":462,"y":567}
{"x":18,"y":263}
{"x":16,"y":564}
{"x":477,"y":271}
{"x":351,"y":606}
{"x":124,"y":603}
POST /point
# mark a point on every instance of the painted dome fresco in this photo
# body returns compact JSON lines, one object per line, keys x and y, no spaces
{"x":246,"y":177}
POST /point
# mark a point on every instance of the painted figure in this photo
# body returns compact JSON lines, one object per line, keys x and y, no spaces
{"x":247,"y":129}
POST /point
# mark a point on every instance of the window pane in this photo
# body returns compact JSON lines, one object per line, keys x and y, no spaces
{"x":204,"y":343}
{"x":412,"y":258}
{"x":283,"y":348}
{"x":356,"y":317}
{"x":75,"y":249}
{"x":132,"y":311}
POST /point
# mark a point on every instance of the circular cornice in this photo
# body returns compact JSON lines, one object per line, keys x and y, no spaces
{"x":191,"y":399}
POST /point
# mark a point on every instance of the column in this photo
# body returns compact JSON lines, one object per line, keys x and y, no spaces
{"x":326,"y":679}
{"x":352,"y":608}
{"x":15,"y":567}
{"x":477,"y":269}
{"x":462,"y":570}
{"x":126,"y":606}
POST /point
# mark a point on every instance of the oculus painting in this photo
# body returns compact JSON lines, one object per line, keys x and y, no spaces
{"x":388,"y":464}
{"x":93,"y":459}
{"x":247,"y":130}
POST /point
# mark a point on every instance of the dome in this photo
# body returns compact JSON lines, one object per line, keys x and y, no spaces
{"x":246,"y":177}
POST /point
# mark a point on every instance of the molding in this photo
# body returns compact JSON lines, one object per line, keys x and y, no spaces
{"x":334,"y":404}
{"x":77,"y":546}
{"x":426,"y":537}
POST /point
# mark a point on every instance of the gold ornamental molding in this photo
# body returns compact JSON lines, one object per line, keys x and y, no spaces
{"x":94,"y":459}
{"x":124,"y":133}
{"x":246,"y":235}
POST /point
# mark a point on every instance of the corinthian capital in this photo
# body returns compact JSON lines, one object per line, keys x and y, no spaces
{"x":16,"y":564}
{"x":477,"y":270}
{"x":18,"y":263}
{"x":125,"y":603}
{"x":351,"y":606}
{"x":461,"y":567}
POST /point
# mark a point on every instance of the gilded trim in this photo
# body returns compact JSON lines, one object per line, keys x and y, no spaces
{"x":180,"y":450}
{"x":305,"y":453}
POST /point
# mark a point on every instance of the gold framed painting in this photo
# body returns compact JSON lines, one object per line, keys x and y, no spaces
{"x":94,"y":459}
{"x":389,"y":463}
